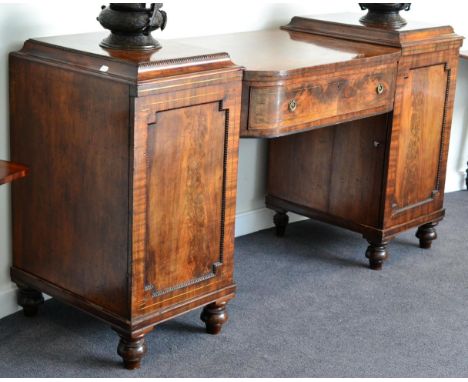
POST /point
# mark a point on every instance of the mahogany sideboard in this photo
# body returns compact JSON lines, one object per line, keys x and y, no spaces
{"x":131,"y":216}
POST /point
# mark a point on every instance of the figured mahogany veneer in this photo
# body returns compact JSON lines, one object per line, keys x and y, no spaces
{"x":317,"y":101}
{"x":133,"y":157}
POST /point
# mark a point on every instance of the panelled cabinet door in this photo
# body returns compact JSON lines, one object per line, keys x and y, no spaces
{"x":420,"y":137}
{"x":186,"y":155}
{"x":186,"y":172}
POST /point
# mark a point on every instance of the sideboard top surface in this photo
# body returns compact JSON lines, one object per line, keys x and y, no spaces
{"x":264,"y":54}
{"x":283,"y":52}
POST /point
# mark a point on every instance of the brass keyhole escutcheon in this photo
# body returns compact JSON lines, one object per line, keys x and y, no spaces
{"x":292,"y":105}
{"x":380,"y":89}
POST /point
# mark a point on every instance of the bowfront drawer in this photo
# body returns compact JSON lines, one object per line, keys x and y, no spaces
{"x":316,"y":101}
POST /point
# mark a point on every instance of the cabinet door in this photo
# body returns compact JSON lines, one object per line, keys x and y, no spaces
{"x":420,"y":136}
{"x":189,"y":168}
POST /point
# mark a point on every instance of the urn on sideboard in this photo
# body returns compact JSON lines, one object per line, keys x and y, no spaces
{"x":131,"y":25}
{"x":384,"y":15}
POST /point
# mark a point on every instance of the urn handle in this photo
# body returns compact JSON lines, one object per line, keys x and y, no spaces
{"x":158,"y":18}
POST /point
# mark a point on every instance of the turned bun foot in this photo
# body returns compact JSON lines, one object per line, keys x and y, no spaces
{"x":377,"y":254}
{"x":281,"y":220}
{"x":426,"y":234}
{"x":132,"y":350}
{"x":214,"y":316}
{"x":466,"y":179}
{"x":29,"y":299}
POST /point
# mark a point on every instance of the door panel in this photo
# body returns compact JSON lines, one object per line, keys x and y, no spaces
{"x":420,"y":134}
{"x":186,"y":151}
{"x":184,"y":193}
{"x":419,"y":147}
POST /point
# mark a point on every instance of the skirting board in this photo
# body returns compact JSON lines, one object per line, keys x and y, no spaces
{"x":455,"y":180}
{"x":8,"y":301}
{"x":246,"y":222}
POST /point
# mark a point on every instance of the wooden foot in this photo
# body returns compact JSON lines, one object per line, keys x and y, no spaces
{"x":466,"y":179}
{"x":426,"y":234}
{"x":377,"y":254}
{"x":131,"y":348}
{"x":29,"y":299}
{"x":281,"y":220}
{"x":214,"y":316}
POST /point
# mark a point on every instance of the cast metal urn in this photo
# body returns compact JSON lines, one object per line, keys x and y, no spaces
{"x":131,"y":25}
{"x":384,"y":15}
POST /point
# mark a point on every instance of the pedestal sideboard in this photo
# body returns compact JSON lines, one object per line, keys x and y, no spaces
{"x":131,"y":216}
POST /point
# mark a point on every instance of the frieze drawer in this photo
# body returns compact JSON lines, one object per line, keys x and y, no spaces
{"x":315,"y":101}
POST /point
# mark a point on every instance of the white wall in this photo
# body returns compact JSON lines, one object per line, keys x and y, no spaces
{"x":195,"y":18}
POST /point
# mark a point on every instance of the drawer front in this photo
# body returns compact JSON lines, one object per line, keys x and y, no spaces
{"x":313,"y":101}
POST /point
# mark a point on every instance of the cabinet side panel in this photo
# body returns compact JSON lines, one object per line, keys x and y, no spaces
{"x":70,"y":215}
